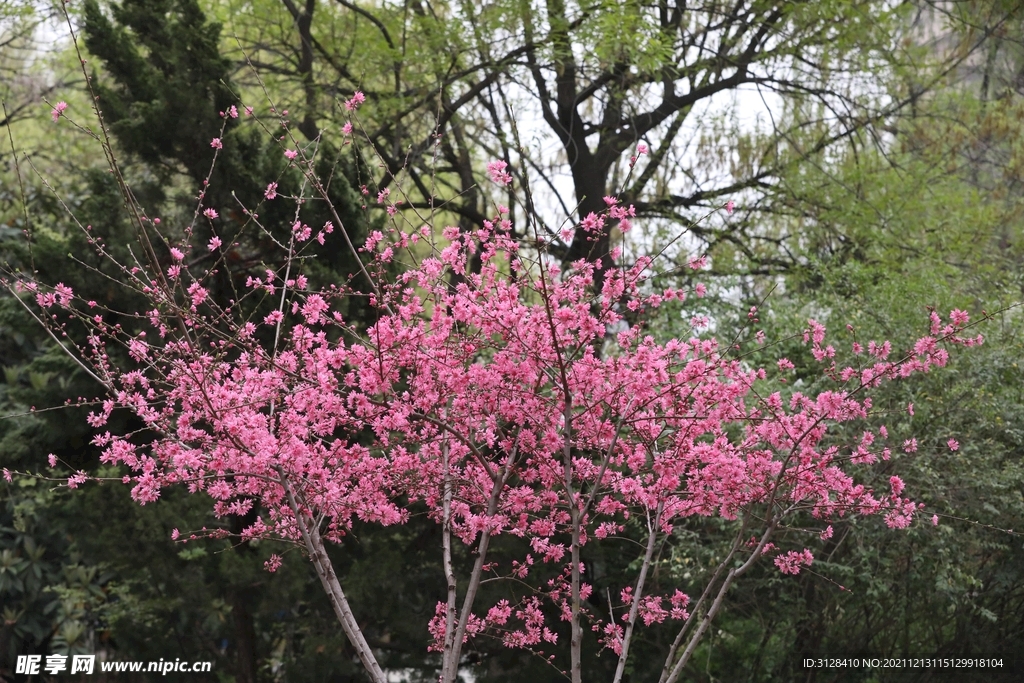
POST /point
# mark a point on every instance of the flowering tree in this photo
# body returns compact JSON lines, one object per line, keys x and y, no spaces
{"x":497,"y":392}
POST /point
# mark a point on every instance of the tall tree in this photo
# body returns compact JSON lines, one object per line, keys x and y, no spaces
{"x":589,"y":83}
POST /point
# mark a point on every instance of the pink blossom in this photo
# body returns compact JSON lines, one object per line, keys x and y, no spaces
{"x":353,"y":103}
{"x":58,"y":109}
{"x":52,"y":460}
{"x":214,"y":243}
{"x":197,"y":293}
{"x":177,"y":254}
{"x":301,"y":231}
{"x":791,"y":562}
{"x":291,"y":153}
{"x":612,"y":639}
{"x":421,"y":411}
{"x":233,"y":111}
{"x":881,"y":351}
{"x":500,"y":613}
{"x":730,"y":206}
{"x":641,"y":148}
{"x":216,"y":143}
{"x":896,"y":484}
{"x":592,"y":222}
{"x":651,"y":611}
{"x":347,"y":128}
{"x":679,"y":602}
{"x":901,"y":514}
{"x":63,"y":294}
{"x":210,"y":213}
{"x":496,"y":169}
{"x":271,"y":191}
{"x":273,"y":564}
{"x":953,"y":444}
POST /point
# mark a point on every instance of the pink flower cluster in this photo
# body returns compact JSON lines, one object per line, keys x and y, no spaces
{"x":58,"y":110}
{"x":791,"y":562}
{"x":488,"y":403}
{"x":496,"y":169}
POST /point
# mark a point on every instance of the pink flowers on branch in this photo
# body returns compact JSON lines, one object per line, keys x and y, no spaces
{"x":58,"y":110}
{"x":496,"y":169}
{"x":515,"y":403}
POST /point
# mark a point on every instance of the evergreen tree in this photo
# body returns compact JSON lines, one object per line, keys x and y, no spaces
{"x":166,"y":93}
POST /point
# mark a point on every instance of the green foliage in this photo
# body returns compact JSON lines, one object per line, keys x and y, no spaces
{"x":170,"y":79}
{"x":165,"y":92}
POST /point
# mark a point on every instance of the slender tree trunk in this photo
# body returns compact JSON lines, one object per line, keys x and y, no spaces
{"x":638,"y":592}
{"x":705,"y":622}
{"x":303,"y":19}
{"x":451,"y":615}
{"x":474,"y":582}
{"x":576,"y":517}
{"x":325,"y":571}
{"x":576,"y":643}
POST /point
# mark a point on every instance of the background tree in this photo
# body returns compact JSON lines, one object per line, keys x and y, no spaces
{"x":592,"y":82}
